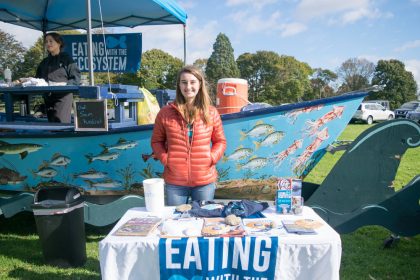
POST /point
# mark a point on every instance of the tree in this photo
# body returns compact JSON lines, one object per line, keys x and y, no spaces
{"x":11,"y":53}
{"x":400,"y":85}
{"x":201,"y":63}
{"x":273,"y":78}
{"x":159,"y":70}
{"x":320,"y":83}
{"x":221,"y":63}
{"x":31,"y":59}
{"x":261,"y":70}
{"x":356,"y":74}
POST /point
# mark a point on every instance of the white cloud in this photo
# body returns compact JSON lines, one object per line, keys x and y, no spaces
{"x":258,"y":5}
{"x":341,"y":12}
{"x":170,"y":39}
{"x":256,"y":22}
{"x":413,"y":65}
{"x":293,"y":28}
{"x":309,"y":9}
{"x":409,"y":45}
{"x":187,"y":4}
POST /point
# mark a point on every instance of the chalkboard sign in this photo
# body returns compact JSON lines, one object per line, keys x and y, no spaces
{"x":90,"y":115}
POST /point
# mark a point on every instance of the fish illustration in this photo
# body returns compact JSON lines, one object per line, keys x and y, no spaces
{"x":313,"y":126}
{"x":91,"y":174}
{"x":270,"y":140}
{"x":59,"y":160}
{"x":10,"y":177}
{"x":112,"y":42}
{"x":297,"y":144}
{"x":46,"y":172}
{"x":253,"y":163}
{"x":122,"y":144}
{"x":104,"y":156}
{"x":108,"y":183}
{"x":293,"y":115}
{"x":300,"y":161}
{"x":238,"y":154}
{"x":22,"y":148}
{"x":258,"y":130}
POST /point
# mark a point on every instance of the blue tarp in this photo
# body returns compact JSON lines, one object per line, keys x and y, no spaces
{"x":50,"y":15}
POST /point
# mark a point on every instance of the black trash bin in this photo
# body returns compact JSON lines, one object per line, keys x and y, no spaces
{"x":59,"y":218}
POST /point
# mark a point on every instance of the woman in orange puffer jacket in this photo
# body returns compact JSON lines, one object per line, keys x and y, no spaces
{"x":188,"y":139}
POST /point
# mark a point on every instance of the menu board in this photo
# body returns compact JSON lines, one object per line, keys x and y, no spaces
{"x":90,"y":115}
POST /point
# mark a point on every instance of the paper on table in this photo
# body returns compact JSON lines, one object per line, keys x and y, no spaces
{"x":190,"y":227}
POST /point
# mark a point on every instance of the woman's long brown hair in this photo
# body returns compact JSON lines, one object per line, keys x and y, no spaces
{"x":202,"y":100}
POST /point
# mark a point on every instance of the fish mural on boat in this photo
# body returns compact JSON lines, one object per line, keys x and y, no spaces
{"x":10,"y":177}
{"x":262,"y":145}
{"x":20,"y":148}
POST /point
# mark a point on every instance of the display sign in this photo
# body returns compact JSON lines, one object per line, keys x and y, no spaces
{"x":90,"y":115}
{"x":117,"y":53}
{"x":218,"y":258}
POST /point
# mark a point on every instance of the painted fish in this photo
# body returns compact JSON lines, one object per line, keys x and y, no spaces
{"x":122,"y":144}
{"x":258,"y":130}
{"x":108,"y":183}
{"x":46,"y":172}
{"x":22,"y":148}
{"x":10,"y":177}
{"x":297,"y":144}
{"x":253,"y":163}
{"x":270,"y":140}
{"x":104,"y":156}
{"x":91,"y":174}
{"x":313,"y":126}
{"x":59,"y":160}
{"x":293,"y":115}
{"x":238,"y":154}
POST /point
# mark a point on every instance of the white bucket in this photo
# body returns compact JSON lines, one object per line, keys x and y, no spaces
{"x":154,"y":194}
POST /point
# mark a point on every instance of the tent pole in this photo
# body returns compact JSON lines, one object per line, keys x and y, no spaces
{"x":89,"y":41}
{"x":185,"y":45}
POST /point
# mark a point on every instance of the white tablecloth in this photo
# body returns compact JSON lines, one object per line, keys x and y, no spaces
{"x":305,"y":257}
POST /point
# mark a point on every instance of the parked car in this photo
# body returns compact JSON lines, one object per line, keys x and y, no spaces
{"x":414,"y":115}
{"x":384,"y":103}
{"x":405,"y":108}
{"x":372,"y":112}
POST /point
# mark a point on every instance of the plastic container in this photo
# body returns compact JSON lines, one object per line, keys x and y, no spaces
{"x":232,"y":95}
{"x":59,"y":218}
{"x":154,"y":194}
{"x":8,"y":75}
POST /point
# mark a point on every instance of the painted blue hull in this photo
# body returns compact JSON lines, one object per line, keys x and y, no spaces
{"x":282,"y":141}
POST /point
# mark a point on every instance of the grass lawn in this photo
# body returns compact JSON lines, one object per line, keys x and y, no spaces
{"x":363,"y":256}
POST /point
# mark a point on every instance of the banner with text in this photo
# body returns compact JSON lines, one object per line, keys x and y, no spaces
{"x":119,"y":53}
{"x":225,"y":258}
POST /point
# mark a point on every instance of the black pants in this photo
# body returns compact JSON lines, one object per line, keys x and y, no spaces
{"x":58,"y":106}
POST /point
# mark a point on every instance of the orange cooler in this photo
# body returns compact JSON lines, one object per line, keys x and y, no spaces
{"x":232,"y":95}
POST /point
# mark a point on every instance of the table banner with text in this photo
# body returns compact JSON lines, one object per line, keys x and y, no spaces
{"x":209,"y":258}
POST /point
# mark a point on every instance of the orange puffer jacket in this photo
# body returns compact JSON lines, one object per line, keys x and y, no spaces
{"x":188,"y":164}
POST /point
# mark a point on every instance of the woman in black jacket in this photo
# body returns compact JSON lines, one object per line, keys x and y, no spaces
{"x":58,"y":68}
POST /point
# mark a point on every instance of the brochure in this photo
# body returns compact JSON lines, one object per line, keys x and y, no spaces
{"x":138,"y":226}
{"x":218,"y":227}
{"x":296,"y":227}
{"x":259,"y":226}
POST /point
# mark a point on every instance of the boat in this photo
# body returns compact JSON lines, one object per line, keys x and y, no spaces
{"x":262,"y":145}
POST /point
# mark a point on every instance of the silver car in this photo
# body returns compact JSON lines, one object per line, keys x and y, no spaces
{"x":372,"y":112}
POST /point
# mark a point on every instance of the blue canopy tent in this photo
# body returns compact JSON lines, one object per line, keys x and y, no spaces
{"x":56,"y":15}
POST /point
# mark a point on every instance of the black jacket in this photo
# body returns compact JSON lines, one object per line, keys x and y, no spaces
{"x":59,"y":68}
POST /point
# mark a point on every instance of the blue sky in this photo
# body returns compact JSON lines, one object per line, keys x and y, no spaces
{"x":322,"y":33}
